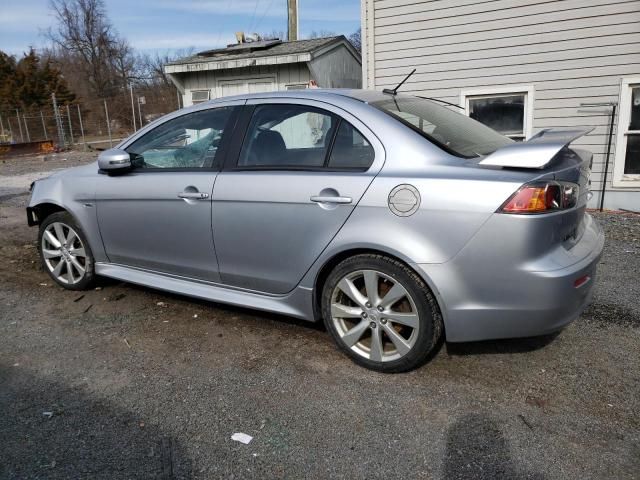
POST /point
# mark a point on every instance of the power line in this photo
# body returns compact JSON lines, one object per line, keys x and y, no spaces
{"x":255,"y":9}
{"x":264,"y":14}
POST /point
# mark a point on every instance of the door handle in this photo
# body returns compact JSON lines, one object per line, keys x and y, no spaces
{"x":330,"y":199}
{"x":193,"y":195}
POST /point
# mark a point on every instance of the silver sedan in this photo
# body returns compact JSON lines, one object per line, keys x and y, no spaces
{"x":394,"y":219}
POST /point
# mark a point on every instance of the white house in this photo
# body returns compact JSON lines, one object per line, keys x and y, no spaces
{"x":267,"y":65}
{"x":521,"y":66}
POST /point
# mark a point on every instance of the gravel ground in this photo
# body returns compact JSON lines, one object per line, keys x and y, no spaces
{"x":128,"y":382}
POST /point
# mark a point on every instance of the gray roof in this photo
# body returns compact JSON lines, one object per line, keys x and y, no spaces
{"x":266,"y":48}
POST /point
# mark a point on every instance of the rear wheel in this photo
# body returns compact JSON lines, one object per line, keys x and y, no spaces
{"x":381,"y":313}
{"x":65,"y":253}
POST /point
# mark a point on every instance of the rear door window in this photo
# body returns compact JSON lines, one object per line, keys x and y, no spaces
{"x":287,"y":136}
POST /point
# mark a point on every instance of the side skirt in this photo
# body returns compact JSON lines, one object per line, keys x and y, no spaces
{"x":298,"y":303}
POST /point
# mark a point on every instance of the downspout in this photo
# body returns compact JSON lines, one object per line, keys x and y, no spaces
{"x":612,"y":117}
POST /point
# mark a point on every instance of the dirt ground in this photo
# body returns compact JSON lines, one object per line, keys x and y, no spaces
{"x":128,"y":382}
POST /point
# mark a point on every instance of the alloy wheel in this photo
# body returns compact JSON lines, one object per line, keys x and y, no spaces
{"x":374,"y":315}
{"x":64,"y":253}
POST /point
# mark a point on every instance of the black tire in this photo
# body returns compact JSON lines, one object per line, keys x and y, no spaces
{"x":429,"y":317}
{"x":88,"y":279}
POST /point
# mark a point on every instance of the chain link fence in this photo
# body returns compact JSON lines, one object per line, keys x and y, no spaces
{"x":100,"y":122}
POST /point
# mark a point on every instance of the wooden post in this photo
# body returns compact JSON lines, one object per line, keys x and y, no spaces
{"x":292,"y":20}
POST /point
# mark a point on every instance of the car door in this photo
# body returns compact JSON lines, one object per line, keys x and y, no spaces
{"x":158,"y":215}
{"x":286,"y":190}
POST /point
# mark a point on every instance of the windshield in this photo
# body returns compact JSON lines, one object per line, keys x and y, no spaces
{"x":452,"y":131}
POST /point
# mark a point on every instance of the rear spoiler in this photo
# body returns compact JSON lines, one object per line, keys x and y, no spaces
{"x":536,"y":152}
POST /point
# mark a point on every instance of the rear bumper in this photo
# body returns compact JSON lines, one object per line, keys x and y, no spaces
{"x":484,"y":297}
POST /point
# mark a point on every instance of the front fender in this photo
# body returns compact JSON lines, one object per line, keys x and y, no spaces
{"x":74,"y":192}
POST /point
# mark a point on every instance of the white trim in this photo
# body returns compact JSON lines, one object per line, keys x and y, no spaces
{"x":620,"y":179}
{"x":367,"y":47}
{"x":363,"y":42}
{"x":529,"y":99}
{"x":239,"y":63}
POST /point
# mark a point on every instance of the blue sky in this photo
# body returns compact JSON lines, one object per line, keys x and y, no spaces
{"x":162,"y":25}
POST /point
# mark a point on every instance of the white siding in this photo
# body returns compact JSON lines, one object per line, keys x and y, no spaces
{"x":287,"y":74}
{"x":570,"y":51}
{"x":336,"y":69}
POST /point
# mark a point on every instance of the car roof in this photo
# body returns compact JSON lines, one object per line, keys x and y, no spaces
{"x":361,"y":95}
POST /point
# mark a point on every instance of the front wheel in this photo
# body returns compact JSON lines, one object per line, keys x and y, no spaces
{"x":65,"y":252}
{"x":381,"y":313}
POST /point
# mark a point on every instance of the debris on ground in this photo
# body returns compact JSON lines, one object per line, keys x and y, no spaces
{"x":242,"y":438}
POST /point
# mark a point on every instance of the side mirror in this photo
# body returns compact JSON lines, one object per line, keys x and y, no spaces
{"x":114,"y":160}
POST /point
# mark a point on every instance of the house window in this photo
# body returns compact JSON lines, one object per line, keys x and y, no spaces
{"x":627,"y":160}
{"x":506,"y":110}
{"x":199,"y":96}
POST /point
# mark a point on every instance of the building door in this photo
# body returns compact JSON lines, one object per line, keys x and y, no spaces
{"x":246,"y":85}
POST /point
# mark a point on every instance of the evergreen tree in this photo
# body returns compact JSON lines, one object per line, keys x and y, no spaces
{"x":7,"y":81}
{"x":30,"y":82}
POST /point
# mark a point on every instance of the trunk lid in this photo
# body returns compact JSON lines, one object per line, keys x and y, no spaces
{"x":547,"y":155}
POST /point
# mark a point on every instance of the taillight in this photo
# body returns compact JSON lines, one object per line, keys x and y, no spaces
{"x":542,"y":198}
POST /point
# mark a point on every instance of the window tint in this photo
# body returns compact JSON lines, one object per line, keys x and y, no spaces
{"x":350,"y":149}
{"x":452,"y":131}
{"x":189,"y":141}
{"x":287,"y":136}
{"x":503,"y":113}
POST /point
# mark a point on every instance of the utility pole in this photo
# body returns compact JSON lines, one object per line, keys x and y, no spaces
{"x":133,"y":110}
{"x":292,"y":20}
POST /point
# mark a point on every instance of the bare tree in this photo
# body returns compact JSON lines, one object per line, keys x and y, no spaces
{"x":84,"y":31}
{"x":151,"y":67}
{"x":321,"y":34}
{"x":356,"y":41}
{"x":274,"y":35}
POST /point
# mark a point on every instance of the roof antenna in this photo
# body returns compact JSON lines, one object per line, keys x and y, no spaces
{"x":395,"y":90}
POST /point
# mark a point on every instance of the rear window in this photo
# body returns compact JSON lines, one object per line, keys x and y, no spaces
{"x":452,"y":131}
